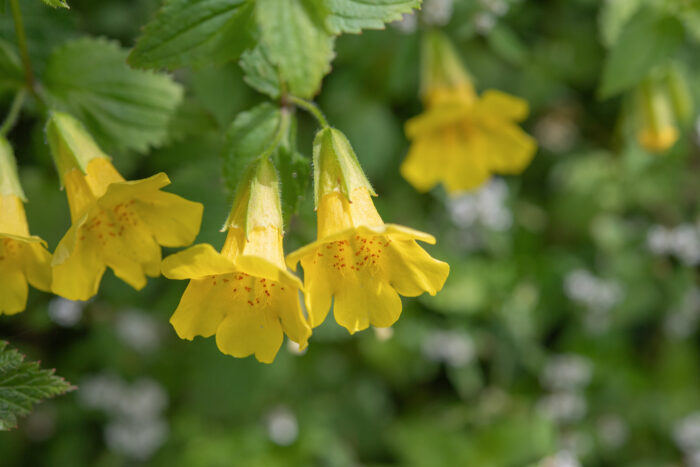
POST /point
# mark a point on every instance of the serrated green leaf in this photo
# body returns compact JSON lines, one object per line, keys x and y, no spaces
{"x":260,"y":73}
{"x":647,"y":40}
{"x":57,"y":3}
{"x":355,"y":15}
{"x":295,"y":37}
{"x":248,"y":136}
{"x":123,"y":108}
{"x":195,"y":33}
{"x":23,"y":384}
{"x":11,"y":74}
{"x":294,"y":171}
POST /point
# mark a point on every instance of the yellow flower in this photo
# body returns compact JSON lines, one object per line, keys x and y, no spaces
{"x":23,"y":257}
{"x":462,"y":139}
{"x":357,"y":261}
{"x":115,"y":223}
{"x":656,"y":126}
{"x":244,"y":294}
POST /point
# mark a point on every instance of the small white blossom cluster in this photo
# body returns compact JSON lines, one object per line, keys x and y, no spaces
{"x":565,"y":377}
{"x":437,"y":12}
{"x":557,"y":131}
{"x":597,"y":295}
{"x":683,"y":321}
{"x":491,"y":10}
{"x":686,"y":434}
{"x":282,"y":426}
{"x":486,"y":207}
{"x":563,"y":458}
{"x":138,"y":330}
{"x":64,"y":312}
{"x":682,"y":241}
{"x":452,"y":347}
{"x":136,"y":428}
{"x":612,"y":431}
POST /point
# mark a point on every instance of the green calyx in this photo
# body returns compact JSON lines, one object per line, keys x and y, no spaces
{"x":336,"y":168}
{"x":9,"y":180}
{"x":71,"y":145}
{"x":257,"y":202}
{"x":441,"y":66}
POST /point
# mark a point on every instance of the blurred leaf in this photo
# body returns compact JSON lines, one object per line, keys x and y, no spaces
{"x":11,"y":74}
{"x":355,"y":15}
{"x":507,"y":44}
{"x":293,"y":32}
{"x":57,"y":3}
{"x":247,"y":137}
{"x":122,"y":107}
{"x":194,"y":33}
{"x":294,"y":172}
{"x":260,"y":73}
{"x":612,"y":18}
{"x":647,"y":40}
{"x":23,"y":384}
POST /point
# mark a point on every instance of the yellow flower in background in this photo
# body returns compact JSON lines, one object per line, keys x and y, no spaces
{"x":657,"y":130}
{"x":244,"y":294}
{"x":115,"y":223}
{"x":461,"y":139}
{"x":359,"y":263}
{"x":23,"y":257}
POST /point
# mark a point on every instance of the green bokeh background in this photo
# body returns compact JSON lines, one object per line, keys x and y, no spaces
{"x":587,"y":202}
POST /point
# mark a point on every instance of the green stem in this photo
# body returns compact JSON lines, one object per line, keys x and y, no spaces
{"x":11,"y":118}
{"x":24,"y":51}
{"x":311,"y":108}
{"x":281,"y":132}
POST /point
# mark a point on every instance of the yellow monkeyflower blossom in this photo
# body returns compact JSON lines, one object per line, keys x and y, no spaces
{"x":656,"y":126}
{"x":23,"y":257}
{"x":357,"y":261}
{"x":115,"y":223}
{"x":462,"y":139}
{"x":244,"y":294}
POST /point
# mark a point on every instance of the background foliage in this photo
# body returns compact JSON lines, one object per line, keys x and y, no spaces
{"x":567,"y":330}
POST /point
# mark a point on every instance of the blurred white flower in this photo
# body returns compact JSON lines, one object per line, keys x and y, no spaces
{"x":484,"y":22}
{"x":103,"y":391}
{"x":682,"y":241}
{"x":562,"y":407}
{"x":612,"y":431}
{"x":486,"y":207}
{"x":437,"y":12}
{"x":686,"y":433}
{"x":562,"y":458}
{"x":282,"y":426}
{"x":145,"y":398}
{"x":586,"y":289}
{"x":455,"y":348}
{"x":137,"y":439}
{"x":383,"y":334}
{"x":138,"y":330}
{"x":556,"y":131}
{"x":408,"y":24}
{"x":64,"y":312}
{"x":497,"y":7}
{"x":566,"y":372}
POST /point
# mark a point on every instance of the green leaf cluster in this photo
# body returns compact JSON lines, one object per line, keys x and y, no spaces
{"x":22,"y":385}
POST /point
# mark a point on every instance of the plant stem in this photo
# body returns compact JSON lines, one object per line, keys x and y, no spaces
{"x":23,"y":50}
{"x":281,"y":132}
{"x":11,"y":118}
{"x":311,"y":108}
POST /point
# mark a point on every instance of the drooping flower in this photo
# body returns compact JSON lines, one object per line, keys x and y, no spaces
{"x":461,"y":139}
{"x":23,"y":257}
{"x":358,"y":262}
{"x":243,"y":294}
{"x":115,"y":223}
{"x":657,"y":130}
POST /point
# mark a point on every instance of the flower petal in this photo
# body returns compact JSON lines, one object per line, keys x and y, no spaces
{"x":250,"y":330}
{"x":360,"y":303}
{"x":174,"y":221}
{"x":260,"y":267}
{"x":77,"y":267}
{"x":127,"y":190}
{"x":202,"y":308}
{"x":509,"y":148}
{"x":293,"y":321}
{"x":13,"y":290}
{"x":318,"y":290}
{"x":499,"y":104}
{"x":196,"y":262}
{"x":412,"y":271}
{"x":37,"y":266}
